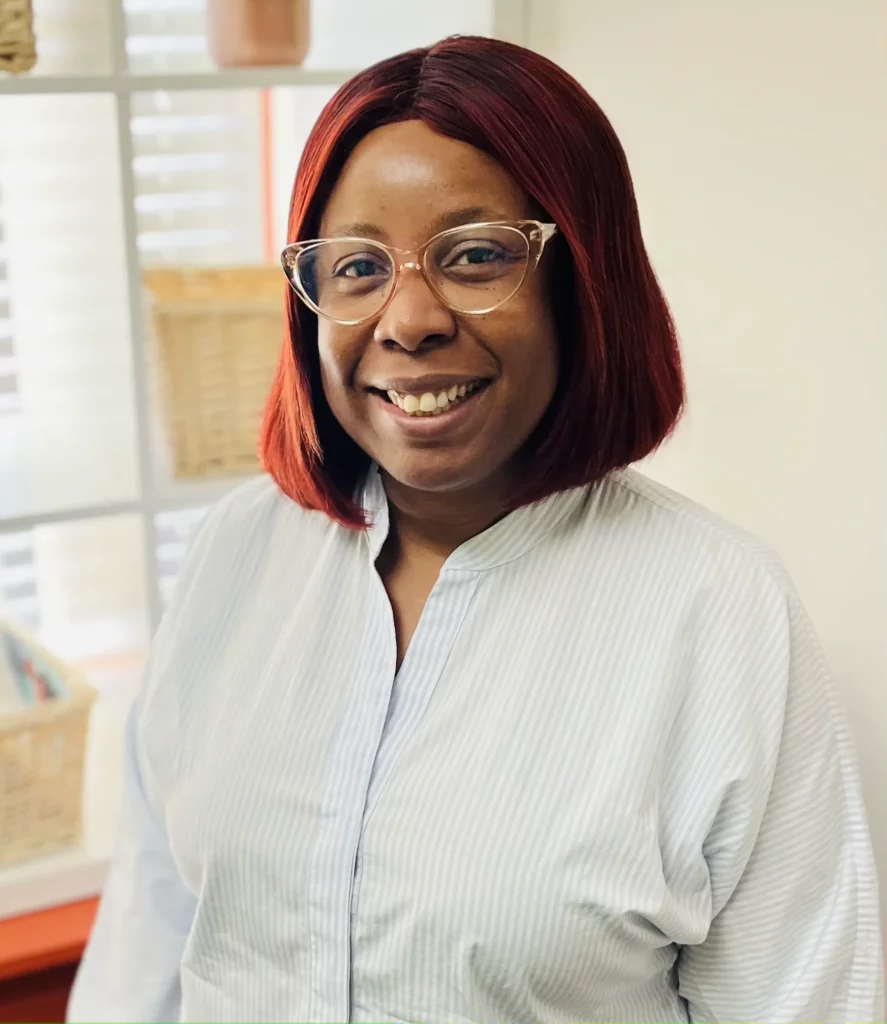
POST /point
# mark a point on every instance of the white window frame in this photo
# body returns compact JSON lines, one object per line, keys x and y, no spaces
{"x":510,"y":21}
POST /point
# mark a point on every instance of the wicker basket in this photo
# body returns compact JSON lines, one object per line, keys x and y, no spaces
{"x":42,"y":752}
{"x":217,"y":337}
{"x":17,"y":46}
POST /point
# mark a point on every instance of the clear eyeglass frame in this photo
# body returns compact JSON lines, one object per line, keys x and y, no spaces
{"x":537,"y":234}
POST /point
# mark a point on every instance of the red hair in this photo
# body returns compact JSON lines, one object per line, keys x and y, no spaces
{"x":621,"y":388}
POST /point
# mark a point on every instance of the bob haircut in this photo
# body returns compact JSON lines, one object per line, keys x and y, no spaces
{"x":620,"y":390}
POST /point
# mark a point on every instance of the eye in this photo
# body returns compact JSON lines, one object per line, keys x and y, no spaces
{"x":358,"y":266}
{"x":473,"y":254}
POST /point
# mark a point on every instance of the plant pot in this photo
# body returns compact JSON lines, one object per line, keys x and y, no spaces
{"x":258,"y":33}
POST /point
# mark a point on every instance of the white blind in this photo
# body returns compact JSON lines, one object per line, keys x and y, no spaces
{"x":198,"y":177}
{"x":18,"y":578}
{"x":73,"y":37}
{"x":170,"y":35}
{"x":70,"y":439}
{"x":352,"y":35}
{"x":9,"y":386}
{"x":166,"y":36}
{"x":67,"y":429}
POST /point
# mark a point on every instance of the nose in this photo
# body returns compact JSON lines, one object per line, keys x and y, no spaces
{"x":414,"y":316}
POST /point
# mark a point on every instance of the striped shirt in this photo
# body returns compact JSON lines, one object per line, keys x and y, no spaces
{"x":610,"y":782}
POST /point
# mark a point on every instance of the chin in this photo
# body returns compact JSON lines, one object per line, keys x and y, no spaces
{"x":425,"y":472}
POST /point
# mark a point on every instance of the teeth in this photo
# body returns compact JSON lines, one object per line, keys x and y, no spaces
{"x":430,"y":404}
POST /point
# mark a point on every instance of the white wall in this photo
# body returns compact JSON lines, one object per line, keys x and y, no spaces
{"x":756,"y":134}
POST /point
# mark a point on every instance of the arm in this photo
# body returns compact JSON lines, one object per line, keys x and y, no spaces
{"x":796,"y":934}
{"x":130,"y":971}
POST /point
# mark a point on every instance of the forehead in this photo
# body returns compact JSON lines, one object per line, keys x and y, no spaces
{"x":406,"y":181}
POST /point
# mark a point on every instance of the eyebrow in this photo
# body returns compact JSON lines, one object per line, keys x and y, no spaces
{"x":450,"y":219}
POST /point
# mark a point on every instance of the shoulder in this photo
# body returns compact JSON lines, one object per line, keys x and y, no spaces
{"x":720,"y":593}
{"x":254,"y":526}
{"x":253,"y":556}
{"x":254,"y":553}
{"x":258,"y":506}
{"x":736,"y":605}
{"x":681,"y":534}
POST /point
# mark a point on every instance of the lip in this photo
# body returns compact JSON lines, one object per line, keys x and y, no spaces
{"x":432,"y":427}
{"x":432,"y":382}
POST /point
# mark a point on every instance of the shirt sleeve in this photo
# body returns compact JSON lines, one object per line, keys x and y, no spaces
{"x":132,"y":965}
{"x":130,"y":971}
{"x":795,"y":934}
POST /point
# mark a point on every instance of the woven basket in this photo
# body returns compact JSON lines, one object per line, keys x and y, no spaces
{"x":17,"y":45}
{"x":42,"y":752}
{"x":217,"y":334}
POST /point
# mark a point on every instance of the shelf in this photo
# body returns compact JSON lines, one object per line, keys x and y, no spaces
{"x":246,"y":78}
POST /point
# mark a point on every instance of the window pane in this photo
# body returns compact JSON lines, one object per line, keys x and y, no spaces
{"x":293,"y":113}
{"x":81,"y":587}
{"x":198,"y":177}
{"x":67,"y":428}
{"x":203,"y":163}
{"x":166,"y":36}
{"x":214,"y":171}
{"x":199,"y":199}
{"x":170,"y":35}
{"x":352,"y":35}
{"x":73,"y":37}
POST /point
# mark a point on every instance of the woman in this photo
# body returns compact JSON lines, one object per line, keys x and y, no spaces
{"x":454,"y":718}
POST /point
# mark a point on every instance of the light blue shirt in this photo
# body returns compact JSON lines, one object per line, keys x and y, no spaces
{"x":610,"y":782}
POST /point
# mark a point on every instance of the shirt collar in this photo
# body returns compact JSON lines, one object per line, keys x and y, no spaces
{"x":375,"y":504}
{"x":504,"y":541}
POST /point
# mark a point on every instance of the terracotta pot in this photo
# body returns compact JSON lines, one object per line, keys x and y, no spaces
{"x":258,"y":33}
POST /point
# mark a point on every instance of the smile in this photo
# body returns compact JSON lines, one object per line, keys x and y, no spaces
{"x":434,"y":408}
{"x":434,"y":403}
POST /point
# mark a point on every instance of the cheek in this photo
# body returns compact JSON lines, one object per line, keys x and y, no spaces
{"x":328,"y":349}
{"x":338,"y":354}
{"x":535,"y":346}
{"x":547,"y":340}
{"x":541,"y":372}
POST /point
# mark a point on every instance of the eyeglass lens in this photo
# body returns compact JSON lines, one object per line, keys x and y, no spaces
{"x":471,"y":269}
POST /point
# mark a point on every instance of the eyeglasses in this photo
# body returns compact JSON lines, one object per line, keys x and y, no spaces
{"x":474,"y":269}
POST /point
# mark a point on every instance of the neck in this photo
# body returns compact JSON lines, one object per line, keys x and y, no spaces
{"x":438,"y":523}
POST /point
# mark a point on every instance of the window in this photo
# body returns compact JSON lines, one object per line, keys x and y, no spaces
{"x":70,"y":440}
{"x":125,"y":149}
